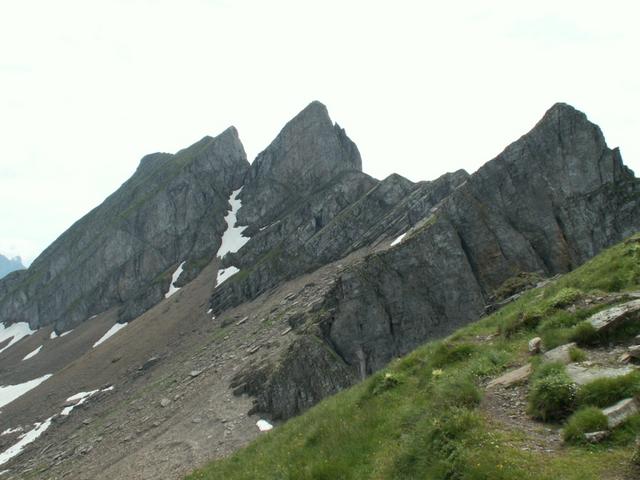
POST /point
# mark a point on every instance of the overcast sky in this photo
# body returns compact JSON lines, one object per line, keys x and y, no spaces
{"x":88,"y":87}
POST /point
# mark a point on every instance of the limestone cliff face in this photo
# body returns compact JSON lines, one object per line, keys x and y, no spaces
{"x":124,"y":251}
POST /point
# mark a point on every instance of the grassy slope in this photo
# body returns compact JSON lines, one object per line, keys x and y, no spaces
{"x":419,"y":418}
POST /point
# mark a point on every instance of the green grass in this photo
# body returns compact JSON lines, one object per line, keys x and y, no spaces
{"x":421,"y":417}
{"x":588,"y":419}
{"x":605,"y":392}
{"x":552,"y":396}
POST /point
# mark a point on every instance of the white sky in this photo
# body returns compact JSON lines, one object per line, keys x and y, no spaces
{"x":88,"y":87}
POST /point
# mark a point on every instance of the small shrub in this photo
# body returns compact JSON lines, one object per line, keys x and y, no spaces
{"x":552,"y":397}
{"x":605,"y":392}
{"x":577,"y":354}
{"x":589,"y":419}
{"x":565,"y":297}
{"x":585,"y":334}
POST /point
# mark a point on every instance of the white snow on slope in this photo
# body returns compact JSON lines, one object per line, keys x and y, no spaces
{"x":53,"y":335}
{"x":66,"y":333}
{"x":113,"y":330}
{"x":398,"y":240}
{"x":232,"y":239}
{"x":8,"y":393}
{"x":29,"y":437}
{"x":32,"y":354}
{"x":263,"y":425}
{"x":9,"y":431}
{"x":226,"y":273}
{"x":80,"y":397}
{"x":174,"y":278}
{"x":40,"y":428}
{"x":15,"y":332}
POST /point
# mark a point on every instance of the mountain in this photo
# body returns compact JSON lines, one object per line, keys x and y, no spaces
{"x":8,"y":265}
{"x":208,"y":293}
{"x":123,"y":253}
{"x":435,"y":413}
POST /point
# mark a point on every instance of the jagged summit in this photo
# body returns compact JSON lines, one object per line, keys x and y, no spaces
{"x":307,"y":154}
{"x":315,"y":111}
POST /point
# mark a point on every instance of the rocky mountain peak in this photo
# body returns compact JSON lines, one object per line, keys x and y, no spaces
{"x":307,"y":154}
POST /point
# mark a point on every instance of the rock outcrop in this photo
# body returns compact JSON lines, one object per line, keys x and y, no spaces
{"x":124,"y":251}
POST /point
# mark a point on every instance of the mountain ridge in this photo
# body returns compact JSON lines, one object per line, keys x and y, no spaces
{"x":340,"y":274}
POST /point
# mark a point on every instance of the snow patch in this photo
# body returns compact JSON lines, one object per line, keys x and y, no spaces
{"x":66,"y":333}
{"x":40,"y":428}
{"x":79,"y":398}
{"x":210,"y":310}
{"x":112,"y":331}
{"x":15,"y":332}
{"x":232,"y":239}
{"x":263,"y":425}
{"x":32,"y":354}
{"x":8,"y":393}
{"x":174,"y":278}
{"x":225,"y":273}
{"x":53,"y":335}
{"x":398,"y":240}
{"x":29,"y":437}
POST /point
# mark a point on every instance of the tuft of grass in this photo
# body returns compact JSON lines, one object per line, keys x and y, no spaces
{"x":577,"y":354}
{"x":552,"y":397}
{"x":447,"y":353}
{"x":585,"y":420}
{"x":605,"y":392}
{"x":457,"y":391}
{"x":585,"y":334}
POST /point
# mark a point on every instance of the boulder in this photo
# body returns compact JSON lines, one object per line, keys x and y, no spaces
{"x":583,"y":375}
{"x":621,"y":411}
{"x":611,"y":318}
{"x":560,"y":354}
{"x":535,"y":345}
{"x":519,"y":375}
{"x":596,"y":437}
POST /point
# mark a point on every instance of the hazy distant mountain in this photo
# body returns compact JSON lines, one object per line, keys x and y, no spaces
{"x":8,"y":265}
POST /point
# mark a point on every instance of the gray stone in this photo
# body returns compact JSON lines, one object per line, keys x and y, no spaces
{"x":519,"y":375}
{"x":611,"y":318}
{"x":165,"y":402}
{"x":535,"y":345}
{"x":621,"y":411}
{"x":583,"y":375}
{"x":195,"y":373}
{"x":634,"y":351}
{"x":560,"y":354}
{"x":596,"y":437}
